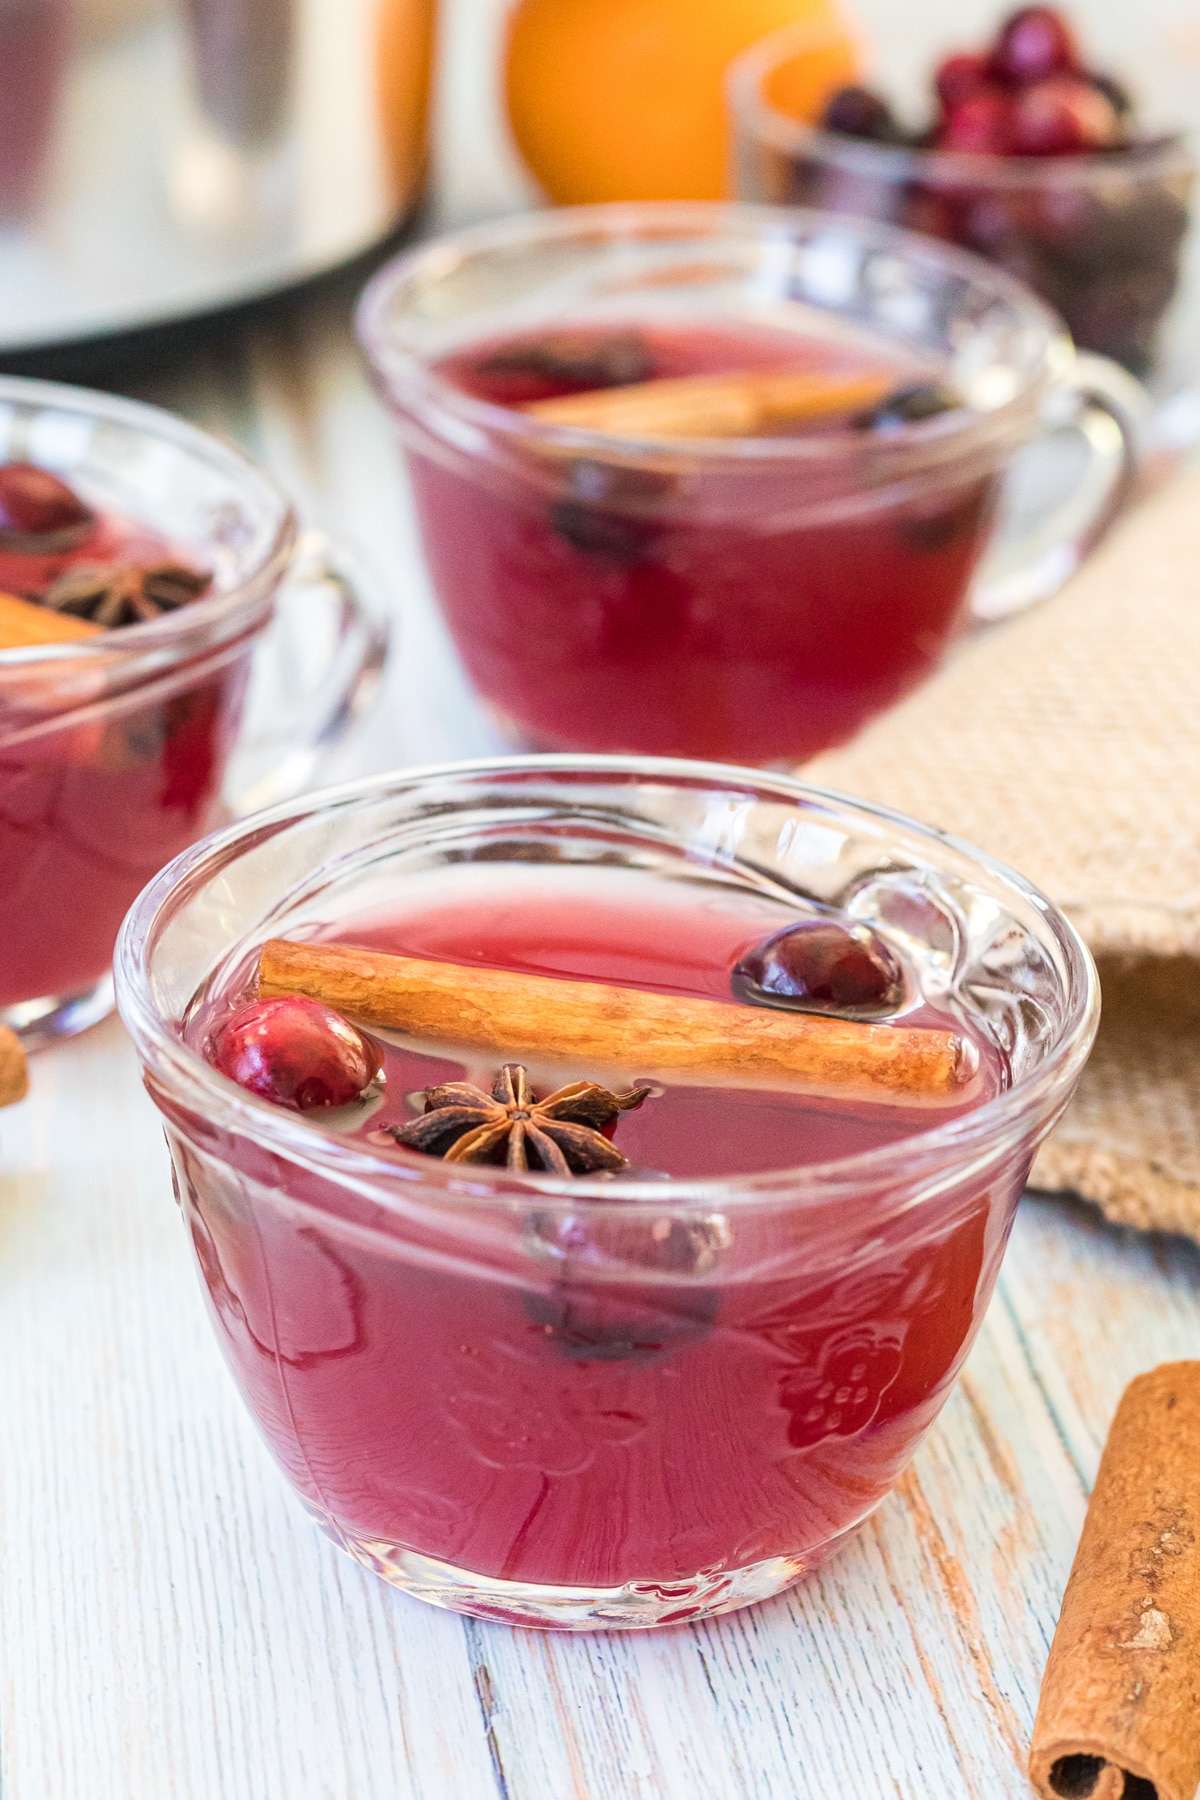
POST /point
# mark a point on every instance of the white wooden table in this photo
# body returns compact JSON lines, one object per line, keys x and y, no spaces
{"x":173,"y":1628}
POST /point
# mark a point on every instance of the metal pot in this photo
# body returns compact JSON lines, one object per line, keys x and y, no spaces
{"x":164,"y":157}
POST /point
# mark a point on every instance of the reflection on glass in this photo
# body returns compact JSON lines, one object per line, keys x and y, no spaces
{"x":406,"y":29}
{"x":34,"y":38}
{"x":242,"y":52}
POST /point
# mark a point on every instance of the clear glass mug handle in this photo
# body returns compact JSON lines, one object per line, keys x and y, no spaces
{"x":315,"y":671}
{"x":1065,"y":487}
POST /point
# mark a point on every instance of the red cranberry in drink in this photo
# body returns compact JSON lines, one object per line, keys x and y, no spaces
{"x":296,"y":1053}
{"x":980,"y":124}
{"x":909,"y":406}
{"x":1063,"y":117}
{"x":859,"y":112}
{"x":960,"y":76}
{"x":823,"y":967}
{"x":37,"y":508}
{"x":1034,"y":43}
{"x":607,"y":511}
{"x":587,"y":1314}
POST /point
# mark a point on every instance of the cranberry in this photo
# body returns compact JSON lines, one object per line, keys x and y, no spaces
{"x":36,"y":504}
{"x":296,"y":1053}
{"x":960,"y":76}
{"x":908,"y":406}
{"x":587,"y":1311}
{"x":608,"y":511}
{"x":981,"y":124}
{"x":859,"y":112}
{"x":822,"y":967}
{"x":1034,"y":43}
{"x":1063,"y":117}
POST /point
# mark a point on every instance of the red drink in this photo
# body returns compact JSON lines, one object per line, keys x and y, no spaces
{"x":645,"y":603}
{"x":34,"y":41}
{"x":606,"y":1395}
{"x":669,"y":1378}
{"x":753,"y":593}
{"x":93,"y":808}
{"x":140,"y":566}
{"x":98,"y":795}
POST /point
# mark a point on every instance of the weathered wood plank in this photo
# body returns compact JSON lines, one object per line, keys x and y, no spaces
{"x":1095,"y":1305}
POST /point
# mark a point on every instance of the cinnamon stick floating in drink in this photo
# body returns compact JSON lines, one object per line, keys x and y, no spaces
{"x":715,"y":406}
{"x":1119,"y":1716}
{"x":23,"y":625}
{"x":662,"y":1035}
{"x":14,"y":1070}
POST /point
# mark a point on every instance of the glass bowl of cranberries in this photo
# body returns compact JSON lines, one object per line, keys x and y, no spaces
{"x":1030,"y":157}
{"x":141,"y":563}
{"x":597,"y":1169}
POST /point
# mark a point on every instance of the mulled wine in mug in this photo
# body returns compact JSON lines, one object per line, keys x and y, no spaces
{"x":717,"y":480}
{"x":141,"y":564}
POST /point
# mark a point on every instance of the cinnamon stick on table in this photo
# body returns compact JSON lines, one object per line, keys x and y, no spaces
{"x":1119,"y":1716}
{"x":14,"y":1070}
{"x":713,"y":406}
{"x":601,"y":1027}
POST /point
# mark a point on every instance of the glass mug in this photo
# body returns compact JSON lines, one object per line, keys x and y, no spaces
{"x":1099,"y":237}
{"x":556,"y":1402}
{"x":117,"y":751}
{"x":754,"y":599}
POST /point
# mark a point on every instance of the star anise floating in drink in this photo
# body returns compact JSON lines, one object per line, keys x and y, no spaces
{"x":125,"y":593}
{"x":42,"y":516}
{"x":560,"y":1135}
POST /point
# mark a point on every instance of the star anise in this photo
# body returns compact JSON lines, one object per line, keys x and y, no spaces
{"x":562,"y":1134}
{"x":113,"y":594}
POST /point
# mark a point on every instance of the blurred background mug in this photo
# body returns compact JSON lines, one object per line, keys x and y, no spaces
{"x":752,"y":599}
{"x":118,"y":750}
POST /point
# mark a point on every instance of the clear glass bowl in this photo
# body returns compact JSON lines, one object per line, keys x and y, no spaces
{"x":1099,"y":237}
{"x":524,"y":1397}
{"x":753,"y":599}
{"x":114,"y":749}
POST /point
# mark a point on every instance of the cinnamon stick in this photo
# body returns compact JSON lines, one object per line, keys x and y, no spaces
{"x":14,"y":1070}
{"x":1119,"y":1716}
{"x":601,"y":1027}
{"x":22,"y":625}
{"x":739,"y":405}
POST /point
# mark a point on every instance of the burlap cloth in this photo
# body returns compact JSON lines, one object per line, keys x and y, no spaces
{"x":1067,"y":742}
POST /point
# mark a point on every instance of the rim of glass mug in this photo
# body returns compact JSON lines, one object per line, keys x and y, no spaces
{"x":138,"y":652}
{"x":1161,"y":157}
{"x":187,"y":1079}
{"x":468,"y":426}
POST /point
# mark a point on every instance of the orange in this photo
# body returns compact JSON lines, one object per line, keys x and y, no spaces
{"x":623,"y":99}
{"x":22,"y":625}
